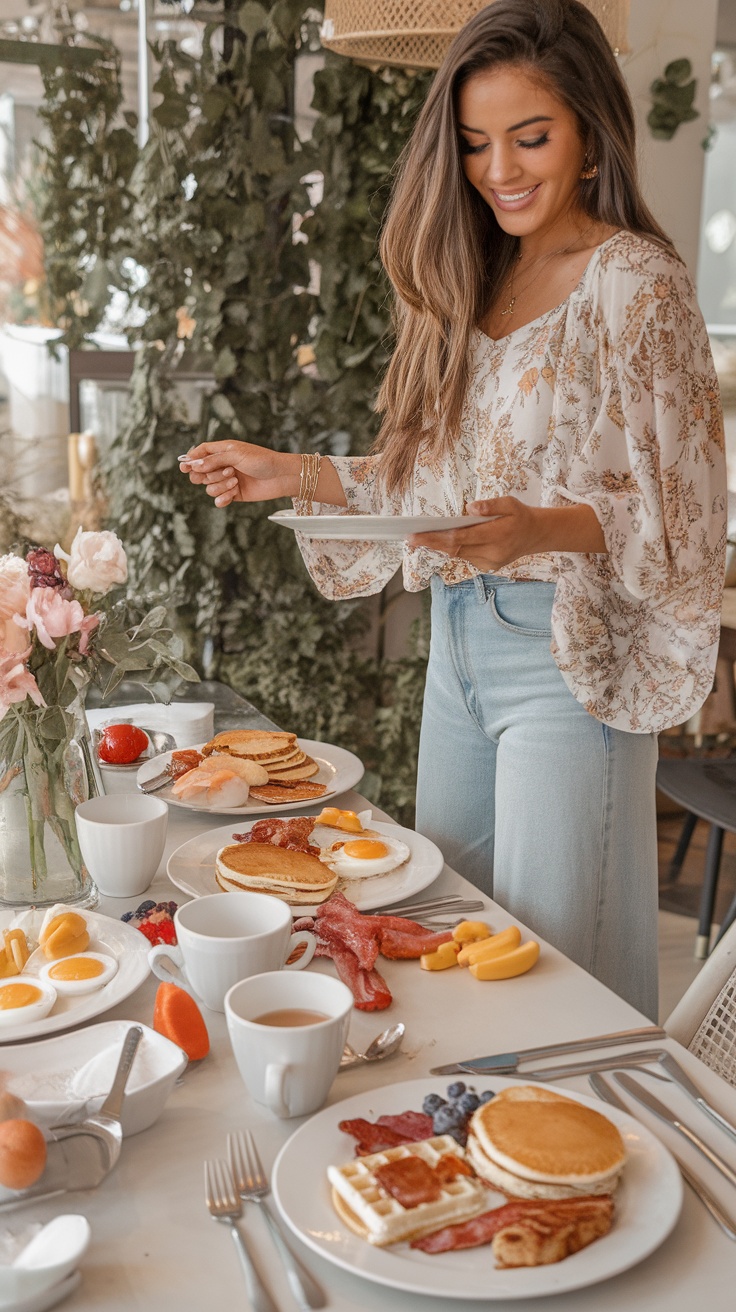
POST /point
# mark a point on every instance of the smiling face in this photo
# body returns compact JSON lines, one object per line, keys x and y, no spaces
{"x":521,"y":150}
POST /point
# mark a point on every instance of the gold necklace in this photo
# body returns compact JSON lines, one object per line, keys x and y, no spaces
{"x":563,"y":250}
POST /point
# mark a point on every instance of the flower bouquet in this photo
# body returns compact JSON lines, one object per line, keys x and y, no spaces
{"x":65,"y":622}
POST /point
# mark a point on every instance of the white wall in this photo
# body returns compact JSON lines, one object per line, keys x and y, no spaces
{"x":672,"y":171}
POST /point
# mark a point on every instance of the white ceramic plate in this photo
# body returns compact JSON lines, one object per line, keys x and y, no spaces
{"x":372,"y":528}
{"x":339,"y":770}
{"x":66,"y":1078}
{"x":192,"y":867}
{"x":118,"y":940}
{"x":648,"y":1203}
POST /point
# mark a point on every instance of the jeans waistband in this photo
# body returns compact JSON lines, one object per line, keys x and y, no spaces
{"x":484,"y":585}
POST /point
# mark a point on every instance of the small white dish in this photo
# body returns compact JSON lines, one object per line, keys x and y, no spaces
{"x":112,"y":937}
{"x":67,"y":1078}
{"x":49,"y":1260}
{"x":372,"y":528}
{"x":49,"y":1298}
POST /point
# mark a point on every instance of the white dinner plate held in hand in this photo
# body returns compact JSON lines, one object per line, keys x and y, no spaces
{"x":192,"y":867}
{"x":373,"y":528}
{"x":647,"y":1205}
{"x":339,"y":770}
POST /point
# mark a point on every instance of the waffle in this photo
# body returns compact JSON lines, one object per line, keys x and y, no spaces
{"x":381,"y":1217}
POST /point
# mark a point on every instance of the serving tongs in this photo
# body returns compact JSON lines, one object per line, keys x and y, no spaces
{"x":79,"y":1156}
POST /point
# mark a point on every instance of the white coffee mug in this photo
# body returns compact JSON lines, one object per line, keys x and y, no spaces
{"x":122,"y":839}
{"x":288,"y":1068}
{"x":227,"y":937}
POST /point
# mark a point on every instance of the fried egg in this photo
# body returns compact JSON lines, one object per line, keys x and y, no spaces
{"x":359,"y":858}
{"x":24,"y":999}
{"x":82,"y":973}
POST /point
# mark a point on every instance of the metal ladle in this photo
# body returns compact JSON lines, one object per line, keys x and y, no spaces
{"x":384,"y":1045}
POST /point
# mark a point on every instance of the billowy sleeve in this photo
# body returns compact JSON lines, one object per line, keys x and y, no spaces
{"x":354,"y":569}
{"x":650,"y":461}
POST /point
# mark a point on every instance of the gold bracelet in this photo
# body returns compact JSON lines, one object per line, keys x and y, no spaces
{"x":308,"y":479}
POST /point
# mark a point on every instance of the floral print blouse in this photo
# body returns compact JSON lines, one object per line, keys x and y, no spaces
{"x":610,"y":400}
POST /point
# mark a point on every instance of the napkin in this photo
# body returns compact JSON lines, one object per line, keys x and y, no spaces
{"x":188,"y":723}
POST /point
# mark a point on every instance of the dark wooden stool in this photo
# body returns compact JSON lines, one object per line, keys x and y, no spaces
{"x":707,"y":790}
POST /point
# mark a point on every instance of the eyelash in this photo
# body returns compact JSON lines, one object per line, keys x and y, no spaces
{"x":467,"y":149}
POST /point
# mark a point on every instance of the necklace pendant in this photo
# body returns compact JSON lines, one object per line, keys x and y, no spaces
{"x":509,"y":307}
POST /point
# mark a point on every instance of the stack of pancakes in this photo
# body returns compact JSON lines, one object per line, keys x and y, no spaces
{"x":288,"y":767}
{"x":532,"y":1143}
{"x":295,"y":877}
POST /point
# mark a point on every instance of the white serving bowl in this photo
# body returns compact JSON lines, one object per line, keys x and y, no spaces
{"x":52,"y":1254}
{"x":68,"y":1077}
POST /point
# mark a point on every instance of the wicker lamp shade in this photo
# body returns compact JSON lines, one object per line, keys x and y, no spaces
{"x":418,"y":33}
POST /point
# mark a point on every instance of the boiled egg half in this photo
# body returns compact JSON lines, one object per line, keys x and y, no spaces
{"x":359,"y":858}
{"x":82,"y":973}
{"x":24,"y":999}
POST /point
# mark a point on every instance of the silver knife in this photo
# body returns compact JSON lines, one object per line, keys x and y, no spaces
{"x":681,"y":1077}
{"x":77,"y":1161}
{"x":711,"y":1204}
{"x":505,"y":1062}
{"x":648,"y":1099}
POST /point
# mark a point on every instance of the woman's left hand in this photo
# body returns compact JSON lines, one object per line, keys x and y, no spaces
{"x":515,"y":532}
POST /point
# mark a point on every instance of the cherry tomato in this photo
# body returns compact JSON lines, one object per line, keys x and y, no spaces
{"x":121,"y":744}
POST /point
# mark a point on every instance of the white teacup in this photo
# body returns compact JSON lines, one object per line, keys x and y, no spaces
{"x":288,"y":1067}
{"x":122,"y":839}
{"x":228,"y":937}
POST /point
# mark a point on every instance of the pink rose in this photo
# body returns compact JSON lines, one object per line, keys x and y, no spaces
{"x":97,"y":561}
{"x":15,"y":589}
{"x":16,"y":682}
{"x":52,"y":616}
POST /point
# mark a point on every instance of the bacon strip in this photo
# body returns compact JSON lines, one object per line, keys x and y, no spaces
{"x":483,"y":1229}
{"x":292,"y":833}
{"x":412,"y":1126}
{"x":370,"y":990}
{"x":409,"y":1180}
{"x":370,"y":1138}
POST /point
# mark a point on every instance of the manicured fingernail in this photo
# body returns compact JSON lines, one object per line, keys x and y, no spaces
{"x":196,"y":463}
{"x":184,"y":457}
{"x":226,"y":473}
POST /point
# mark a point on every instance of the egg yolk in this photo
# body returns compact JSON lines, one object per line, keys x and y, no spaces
{"x":76,"y":968}
{"x":365,"y":849}
{"x":348,"y":820}
{"x":19,"y":995}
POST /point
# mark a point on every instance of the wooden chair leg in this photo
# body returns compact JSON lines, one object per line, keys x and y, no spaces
{"x":683,"y":844}
{"x":708,"y":896}
{"x":727,"y":922}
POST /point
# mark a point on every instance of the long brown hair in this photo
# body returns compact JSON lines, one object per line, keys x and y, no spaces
{"x":442,"y":248}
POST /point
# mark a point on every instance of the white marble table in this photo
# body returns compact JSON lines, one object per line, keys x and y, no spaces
{"x":155,"y":1248}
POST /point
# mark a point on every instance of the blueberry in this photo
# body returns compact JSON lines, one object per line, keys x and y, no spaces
{"x":446,"y":1119}
{"x":455,"y":1090}
{"x":467,"y":1103}
{"x":487,"y":1095}
{"x":145,"y":907}
{"x":128,"y":916}
{"x":432,"y":1104}
{"x":460,"y":1136}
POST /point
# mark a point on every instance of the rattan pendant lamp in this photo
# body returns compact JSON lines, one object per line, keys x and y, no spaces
{"x":417,"y":33}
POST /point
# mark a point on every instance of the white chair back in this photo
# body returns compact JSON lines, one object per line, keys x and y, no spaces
{"x":705,"y":1019}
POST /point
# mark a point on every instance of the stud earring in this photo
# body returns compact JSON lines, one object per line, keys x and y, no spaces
{"x":588,"y":171}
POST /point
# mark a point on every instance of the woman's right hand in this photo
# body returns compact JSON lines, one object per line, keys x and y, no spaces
{"x":241,"y":471}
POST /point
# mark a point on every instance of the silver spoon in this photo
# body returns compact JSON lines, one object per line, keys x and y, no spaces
{"x":385,"y":1044}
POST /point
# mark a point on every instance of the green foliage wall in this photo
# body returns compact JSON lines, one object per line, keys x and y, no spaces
{"x":215,"y":193}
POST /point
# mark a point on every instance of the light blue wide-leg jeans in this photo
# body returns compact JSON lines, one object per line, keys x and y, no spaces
{"x":530,"y":797}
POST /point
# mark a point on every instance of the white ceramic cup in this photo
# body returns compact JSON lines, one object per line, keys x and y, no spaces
{"x":227,"y":937}
{"x":122,"y":839}
{"x":288,"y":1069}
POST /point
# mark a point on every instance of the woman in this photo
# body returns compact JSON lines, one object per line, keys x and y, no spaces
{"x":551,"y":370}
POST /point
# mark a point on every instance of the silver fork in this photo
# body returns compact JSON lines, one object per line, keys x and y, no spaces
{"x":224,"y":1205}
{"x":252,"y":1185}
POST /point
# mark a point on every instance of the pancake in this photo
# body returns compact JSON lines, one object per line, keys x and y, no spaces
{"x":255,"y":744}
{"x":264,"y":868}
{"x":279,"y":794}
{"x":533,"y":1143}
{"x":292,"y":773}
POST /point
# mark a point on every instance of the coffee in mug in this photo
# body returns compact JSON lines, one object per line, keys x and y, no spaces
{"x":288,"y":1067}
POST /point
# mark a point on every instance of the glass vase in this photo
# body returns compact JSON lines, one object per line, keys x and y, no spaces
{"x":40,"y":860}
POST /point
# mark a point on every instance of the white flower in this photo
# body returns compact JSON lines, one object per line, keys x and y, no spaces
{"x":15,"y":589}
{"x":97,"y":561}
